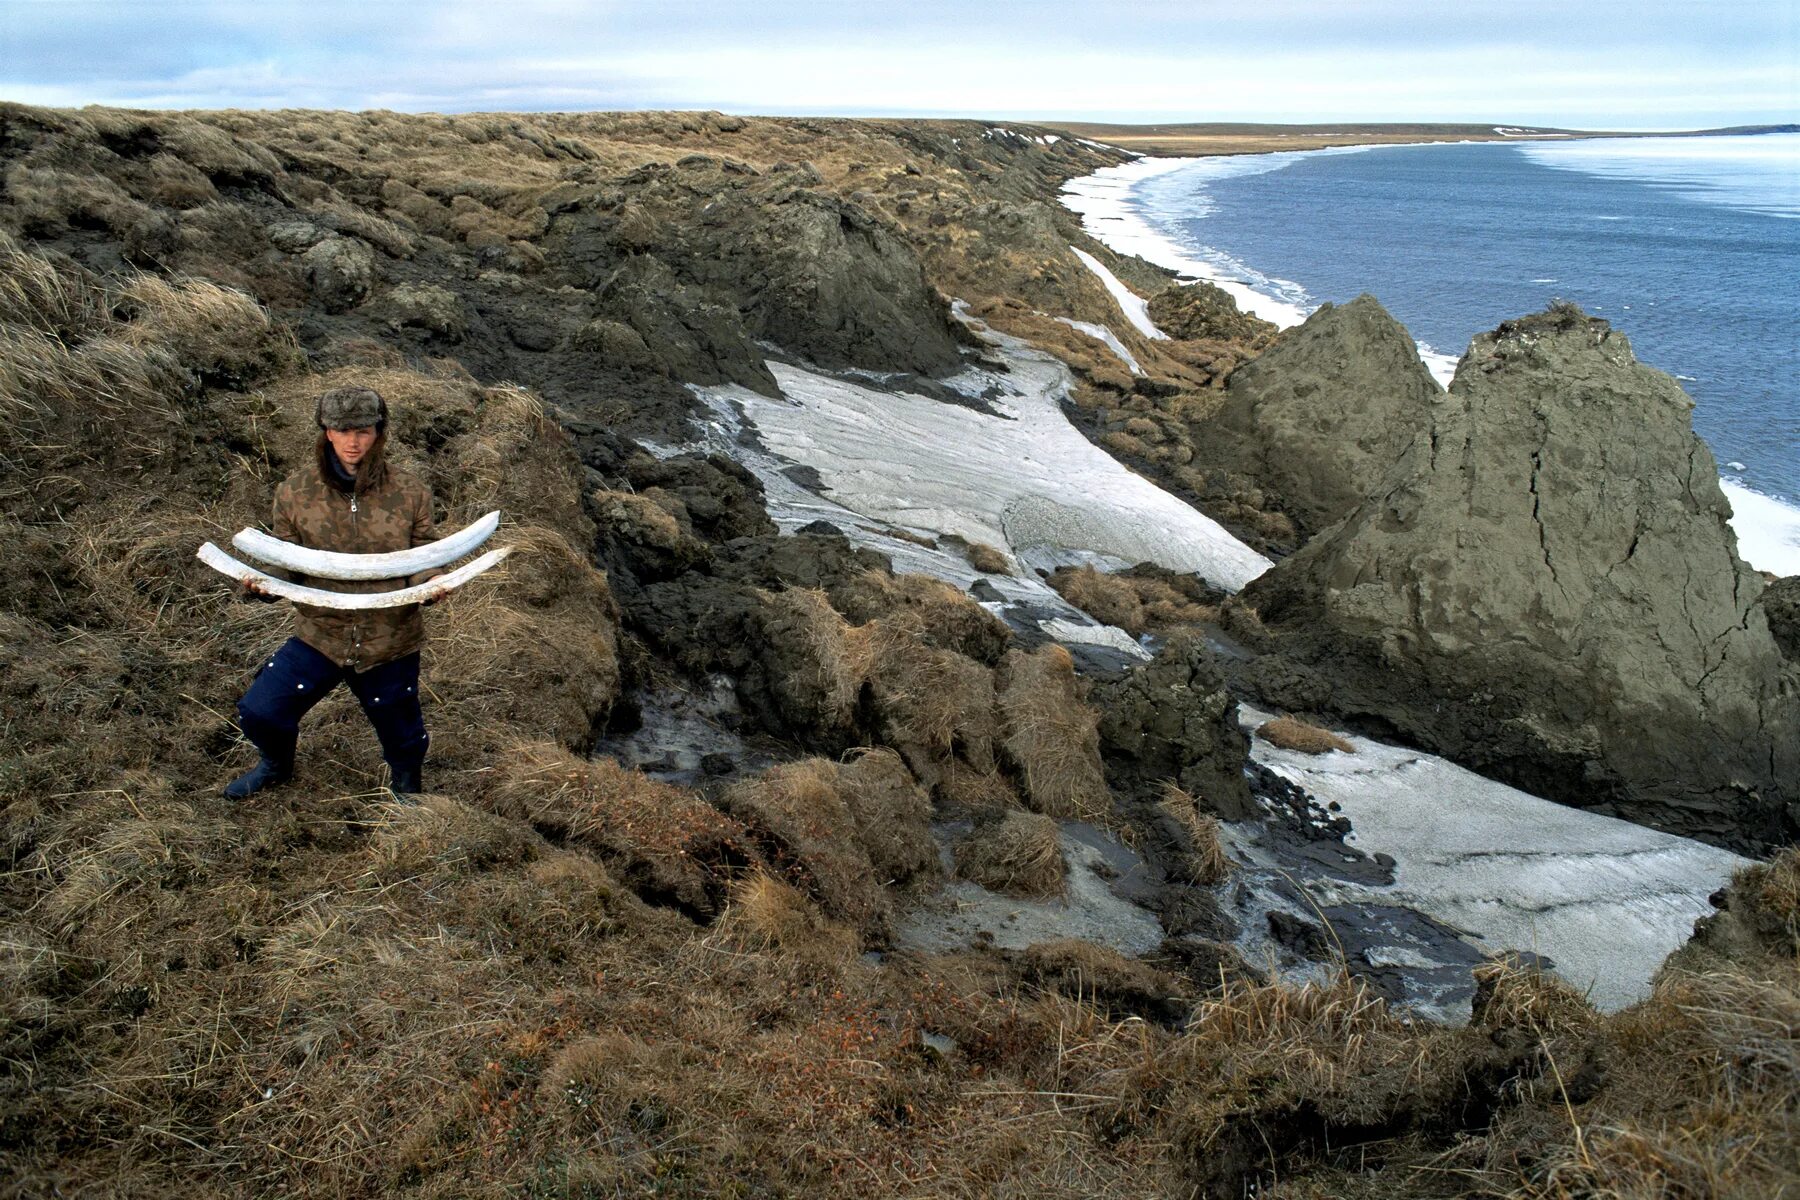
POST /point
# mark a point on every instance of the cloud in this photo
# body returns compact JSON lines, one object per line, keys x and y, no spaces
{"x":1530,"y":60}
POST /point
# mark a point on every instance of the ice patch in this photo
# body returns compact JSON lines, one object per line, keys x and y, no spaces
{"x":1442,"y":366}
{"x":1021,"y":479}
{"x":1767,"y":528}
{"x":1102,"y":333}
{"x":1604,"y":899}
{"x":1757,"y":173}
{"x":1135,"y":308}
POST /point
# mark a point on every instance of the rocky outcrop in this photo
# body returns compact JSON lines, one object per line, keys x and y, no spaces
{"x":1545,"y":588}
{"x":1172,"y":720}
{"x":1319,"y":418}
{"x":767,"y":259}
{"x":1781,"y":607}
{"x":1206,"y":312}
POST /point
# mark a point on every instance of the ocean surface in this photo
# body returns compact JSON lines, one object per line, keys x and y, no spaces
{"x":1690,"y":246}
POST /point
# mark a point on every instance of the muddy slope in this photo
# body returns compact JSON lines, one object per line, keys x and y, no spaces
{"x":1544,"y":577}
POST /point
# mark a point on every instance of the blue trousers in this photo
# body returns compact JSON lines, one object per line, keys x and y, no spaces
{"x":298,"y":677}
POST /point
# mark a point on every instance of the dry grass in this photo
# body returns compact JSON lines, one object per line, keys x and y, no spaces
{"x":798,"y":817}
{"x":767,"y":915}
{"x":1136,"y":605}
{"x":510,"y":987}
{"x":829,"y":663}
{"x":1017,"y":854}
{"x":1700,"y":1100}
{"x":1202,"y":849}
{"x":1290,"y":733}
{"x":666,"y":842}
{"x":945,"y":616}
{"x":1774,"y":890}
{"x":1050,"y":736}
{"x":933,"y":705}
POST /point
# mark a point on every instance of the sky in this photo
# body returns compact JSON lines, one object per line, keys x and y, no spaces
{"x":1649,"y":64}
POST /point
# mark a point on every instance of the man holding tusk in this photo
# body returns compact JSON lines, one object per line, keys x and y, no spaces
{"x":351,"y":500}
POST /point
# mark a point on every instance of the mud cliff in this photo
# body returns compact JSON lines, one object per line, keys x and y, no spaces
{"x":1544,"y":586}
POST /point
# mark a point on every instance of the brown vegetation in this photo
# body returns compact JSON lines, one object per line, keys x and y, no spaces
{"x":556,"y":977}
{"x":1016,"y":853}
{"x":1202,"y":860}
{"x":1291,"y":733}
{"x":1135,"y":604}
{"x":1050,"y":736}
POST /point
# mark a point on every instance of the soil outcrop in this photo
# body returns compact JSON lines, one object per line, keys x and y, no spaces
{"x":1172,"y":719}
{"x":1320,"y":417}
{"x":1781,"y":608}
{"x":1545,"y":588}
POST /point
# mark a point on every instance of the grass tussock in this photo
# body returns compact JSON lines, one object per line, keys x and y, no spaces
{"x":933,"y":705}
{"x":824,"y":662}
{"x":1135,"y":604}
{"x":664,"y":841}
{"x":1290,"y":733}
{"x":942,"y":615}
{"x":847,"y":835}
{"x":1014,"y":853}
{"x":767,"y":915}
{"x":1699,"y":1099}
{"x":1050,"y":736}
{"x":1202,"y":848}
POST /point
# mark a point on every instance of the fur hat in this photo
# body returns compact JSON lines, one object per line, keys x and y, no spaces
{"x":351,"y":408}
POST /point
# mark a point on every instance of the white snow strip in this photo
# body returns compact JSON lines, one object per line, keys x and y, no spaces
{"x":1768,"y":529}
{"x":1102,"y":200}
{"x":1102,"y":333}
{"x":1604,"y":899}
{"x":1017,"y":480}
{"x":1134,"y":306}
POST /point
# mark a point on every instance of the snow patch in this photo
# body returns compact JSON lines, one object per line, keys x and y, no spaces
{"x":1135,"y":307}
{"x":1016,"y":478}
{"x":1102,"y":333}
{"x":1604,"y":899}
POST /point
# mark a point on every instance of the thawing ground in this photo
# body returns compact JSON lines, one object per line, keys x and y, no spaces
{"x":1443,"y":866}
{"x":1605,"y":900}
{"x":1012,"y":473}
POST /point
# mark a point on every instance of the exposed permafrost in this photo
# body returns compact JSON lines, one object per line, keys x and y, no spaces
{"x":1605,"y":900}
{"x":1022,"y":479}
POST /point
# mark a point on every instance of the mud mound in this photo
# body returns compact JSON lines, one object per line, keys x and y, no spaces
{"x":1488,"y":566}
{"x":1206,"y":312}
{"x":1173,"y":719}
{"x":1781,"y":608}
{"x":1320,"y":417}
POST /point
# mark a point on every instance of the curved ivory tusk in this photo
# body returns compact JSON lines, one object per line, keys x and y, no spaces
{"x":223,"y":563}
{"x":331,"y":564}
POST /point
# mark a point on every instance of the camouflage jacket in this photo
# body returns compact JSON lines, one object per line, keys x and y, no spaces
{"x":396,"y":516}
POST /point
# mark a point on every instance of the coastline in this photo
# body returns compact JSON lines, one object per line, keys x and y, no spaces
{"x":1767,"y":526}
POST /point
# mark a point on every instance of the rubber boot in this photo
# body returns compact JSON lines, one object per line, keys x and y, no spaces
{"x":405,"y":781}
{"x":265,"y":774}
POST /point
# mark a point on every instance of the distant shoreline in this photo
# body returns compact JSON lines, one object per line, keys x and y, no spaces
{"x":1219,"y":138}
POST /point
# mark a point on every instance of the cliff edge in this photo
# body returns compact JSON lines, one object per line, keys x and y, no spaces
{"x":1546,"y":589}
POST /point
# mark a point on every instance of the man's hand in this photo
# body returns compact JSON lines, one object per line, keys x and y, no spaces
{"x":251,"y":589}
{"x":434,"y":596}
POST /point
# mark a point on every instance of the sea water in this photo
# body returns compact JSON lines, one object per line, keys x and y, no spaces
{"x":1690,"y":246}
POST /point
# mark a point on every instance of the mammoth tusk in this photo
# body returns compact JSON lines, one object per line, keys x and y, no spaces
{"x":223,"y":563}
{"x":330,"y":564}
